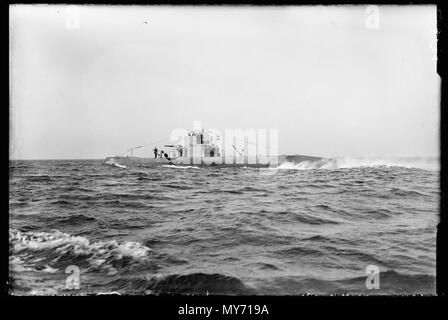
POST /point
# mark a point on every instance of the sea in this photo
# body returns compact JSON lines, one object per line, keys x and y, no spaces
{"x":357,"y":226}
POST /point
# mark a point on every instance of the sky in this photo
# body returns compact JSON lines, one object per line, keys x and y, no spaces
{"x":88,"y":82}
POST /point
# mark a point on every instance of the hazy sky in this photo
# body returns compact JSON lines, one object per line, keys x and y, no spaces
{"x":331,"y":81}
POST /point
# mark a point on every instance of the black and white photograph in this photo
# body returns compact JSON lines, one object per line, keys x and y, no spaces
{"x":231,"y":150}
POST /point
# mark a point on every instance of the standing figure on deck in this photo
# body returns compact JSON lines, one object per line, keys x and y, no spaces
{"x":155,"y":152}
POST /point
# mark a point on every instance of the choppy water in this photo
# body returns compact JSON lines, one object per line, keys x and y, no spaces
{"x":291,"y":230}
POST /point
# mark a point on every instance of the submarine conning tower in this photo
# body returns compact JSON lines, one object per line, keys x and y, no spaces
{"x":202,"y":143}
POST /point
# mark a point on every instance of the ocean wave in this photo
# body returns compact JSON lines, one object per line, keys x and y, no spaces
{"x":140,"y":178}
{"x":199,"y":283}
{"x":313,"y":228}
{"x":391,"y":283}
{"x":407,"y":192}
{"x":313,"y":220}
{"x":74,"y":219}
{"x":38,"y":178}
{"x":266,"y":266}
{"x":297,"y":251}
{"x":56,"y":248}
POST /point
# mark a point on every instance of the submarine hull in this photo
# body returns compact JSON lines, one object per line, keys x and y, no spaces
{"x":265,"y":162}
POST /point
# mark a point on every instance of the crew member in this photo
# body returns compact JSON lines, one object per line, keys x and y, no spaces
{"x":155,"y":152}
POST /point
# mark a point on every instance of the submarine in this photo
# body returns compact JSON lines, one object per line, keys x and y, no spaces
{"x":202,"y":148}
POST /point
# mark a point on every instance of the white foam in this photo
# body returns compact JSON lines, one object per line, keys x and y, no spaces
{"x":114,"y":163}
{"x":42,"y":240}
{"x":179,"y":167}
{"x":17,"y":264}
{"x":108,"y":293}
{"x":431,"y":164}
{"x":307,"y":165}
{"x":49,"y":269}
{"x":419,"y":163}
{"x":119,"y":166}
{"x":100,"y":252}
